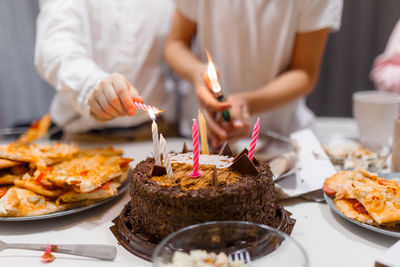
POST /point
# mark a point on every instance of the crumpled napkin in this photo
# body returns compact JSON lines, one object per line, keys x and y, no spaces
{"x":313,"y":167}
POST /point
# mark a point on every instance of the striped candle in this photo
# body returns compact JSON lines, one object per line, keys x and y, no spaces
{"x":254,"y":137}
{"x":167,"y":162}
{"x":156,"y":143}
{"x":196,"y":152}
{"x":147,"y":107}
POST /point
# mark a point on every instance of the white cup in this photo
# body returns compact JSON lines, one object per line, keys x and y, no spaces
{"x":396,"y":146}
{"x":375,"y":112}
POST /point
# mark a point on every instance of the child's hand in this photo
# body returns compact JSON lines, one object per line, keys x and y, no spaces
{"x":205,"y":94}
{"x":240,"y":124}
{"x":210,"y":106}
{"x":238,"y":127}
{"x":113,"y":97}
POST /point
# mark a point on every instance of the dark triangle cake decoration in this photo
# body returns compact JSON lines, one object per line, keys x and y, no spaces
{"x":244,"y":165}
{"x":185,"y":148}
{"x":158,"y":171}
{"x":255,"y":161}
{"x":246,"y":151}
{"x":226,"y":150}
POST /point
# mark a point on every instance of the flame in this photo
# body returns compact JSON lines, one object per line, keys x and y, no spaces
{"x":152,"y":115}
{"x":212,"y":75}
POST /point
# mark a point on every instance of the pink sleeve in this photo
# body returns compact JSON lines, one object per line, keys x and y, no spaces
{"x":386,"y":68}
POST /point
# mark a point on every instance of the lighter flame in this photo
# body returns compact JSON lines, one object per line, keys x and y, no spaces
{"x":212,"y":75}
{"x":152,"y":115}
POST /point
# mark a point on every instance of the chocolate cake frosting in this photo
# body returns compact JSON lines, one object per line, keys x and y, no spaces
{"x":160,"y":206}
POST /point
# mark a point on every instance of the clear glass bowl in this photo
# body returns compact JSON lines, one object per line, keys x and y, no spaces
{"x":348,"y":153}
{"x":266,"y":246}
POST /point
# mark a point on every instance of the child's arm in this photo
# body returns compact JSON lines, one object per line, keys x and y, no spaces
{"x":179,"y":56}
{"x":299,"y":80}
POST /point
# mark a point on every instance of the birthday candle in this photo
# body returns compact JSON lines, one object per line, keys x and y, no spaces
{"x":195,"y":136}
{"x":203,"y":133}
{"x":156,"y":143}
{"x":147,"y":107}
{"x":254,"y":137}
{"x":167,"y":163}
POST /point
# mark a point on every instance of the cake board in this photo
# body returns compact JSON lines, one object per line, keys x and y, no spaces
{"x":142,"y":247}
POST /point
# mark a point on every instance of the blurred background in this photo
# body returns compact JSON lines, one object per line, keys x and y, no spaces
{"x":366,"y":26}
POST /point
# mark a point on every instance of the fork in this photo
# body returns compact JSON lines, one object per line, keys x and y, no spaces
{"x":102,"y":252}
{"x":240,"y":255}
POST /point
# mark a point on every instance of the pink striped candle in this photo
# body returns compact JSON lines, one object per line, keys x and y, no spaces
{"x":254,"y":137}
{"x":196,"y":151}
{"x":145,"y":107}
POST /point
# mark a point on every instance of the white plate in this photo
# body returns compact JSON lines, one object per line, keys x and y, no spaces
{"x":377,"y":229}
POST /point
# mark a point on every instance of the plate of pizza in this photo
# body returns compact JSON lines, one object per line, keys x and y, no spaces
{"x":82,"y":206}
{"x":45,"y":180}
{"x":366,"y":199}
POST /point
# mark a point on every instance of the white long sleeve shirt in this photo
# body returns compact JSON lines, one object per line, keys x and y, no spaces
{"x":80,"y":42}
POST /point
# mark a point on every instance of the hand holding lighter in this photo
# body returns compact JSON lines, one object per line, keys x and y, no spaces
{"x":211,"y":80}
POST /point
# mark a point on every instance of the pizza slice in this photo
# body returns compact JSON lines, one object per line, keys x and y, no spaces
{"x":86,"y":173}
{"x":39,"y":184}
{"x":342,"y":184}
{"x":6,"y":163}
{"x":378,"y":197}
{"x":37,"y":130}
{"x":9,"y":175}
{"x":18,"y":202}
{"x":353,"y":209}
{"x":381,"y":201}
{"x":109,"y":189}
{"x":40,"y":155}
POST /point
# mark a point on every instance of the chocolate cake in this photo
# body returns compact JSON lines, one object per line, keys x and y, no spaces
{"x":229,"y":189}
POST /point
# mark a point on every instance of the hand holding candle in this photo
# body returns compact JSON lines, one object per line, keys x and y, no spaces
{"x":145,"y":107}
{"x":254,"y":138}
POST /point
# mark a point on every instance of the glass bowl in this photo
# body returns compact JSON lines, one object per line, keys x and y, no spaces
{"x":266,"y":246}
{"x":348,"y":153}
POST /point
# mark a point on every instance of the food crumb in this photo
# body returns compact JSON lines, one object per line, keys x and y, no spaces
{"x":47,"y":257}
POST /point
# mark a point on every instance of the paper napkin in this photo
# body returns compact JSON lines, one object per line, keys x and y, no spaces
{"x":313,"y":167}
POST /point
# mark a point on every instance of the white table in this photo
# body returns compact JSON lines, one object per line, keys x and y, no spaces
{"x":328,"y":239}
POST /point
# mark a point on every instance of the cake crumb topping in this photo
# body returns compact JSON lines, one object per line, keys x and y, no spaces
{"x":183,"y":179}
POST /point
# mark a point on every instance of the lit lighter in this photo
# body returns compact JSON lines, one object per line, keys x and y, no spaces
{"x":211,"y":80}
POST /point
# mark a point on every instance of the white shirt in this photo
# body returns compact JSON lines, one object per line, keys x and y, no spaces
{"x":80,"y":42}
{"x":251,"y":43}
